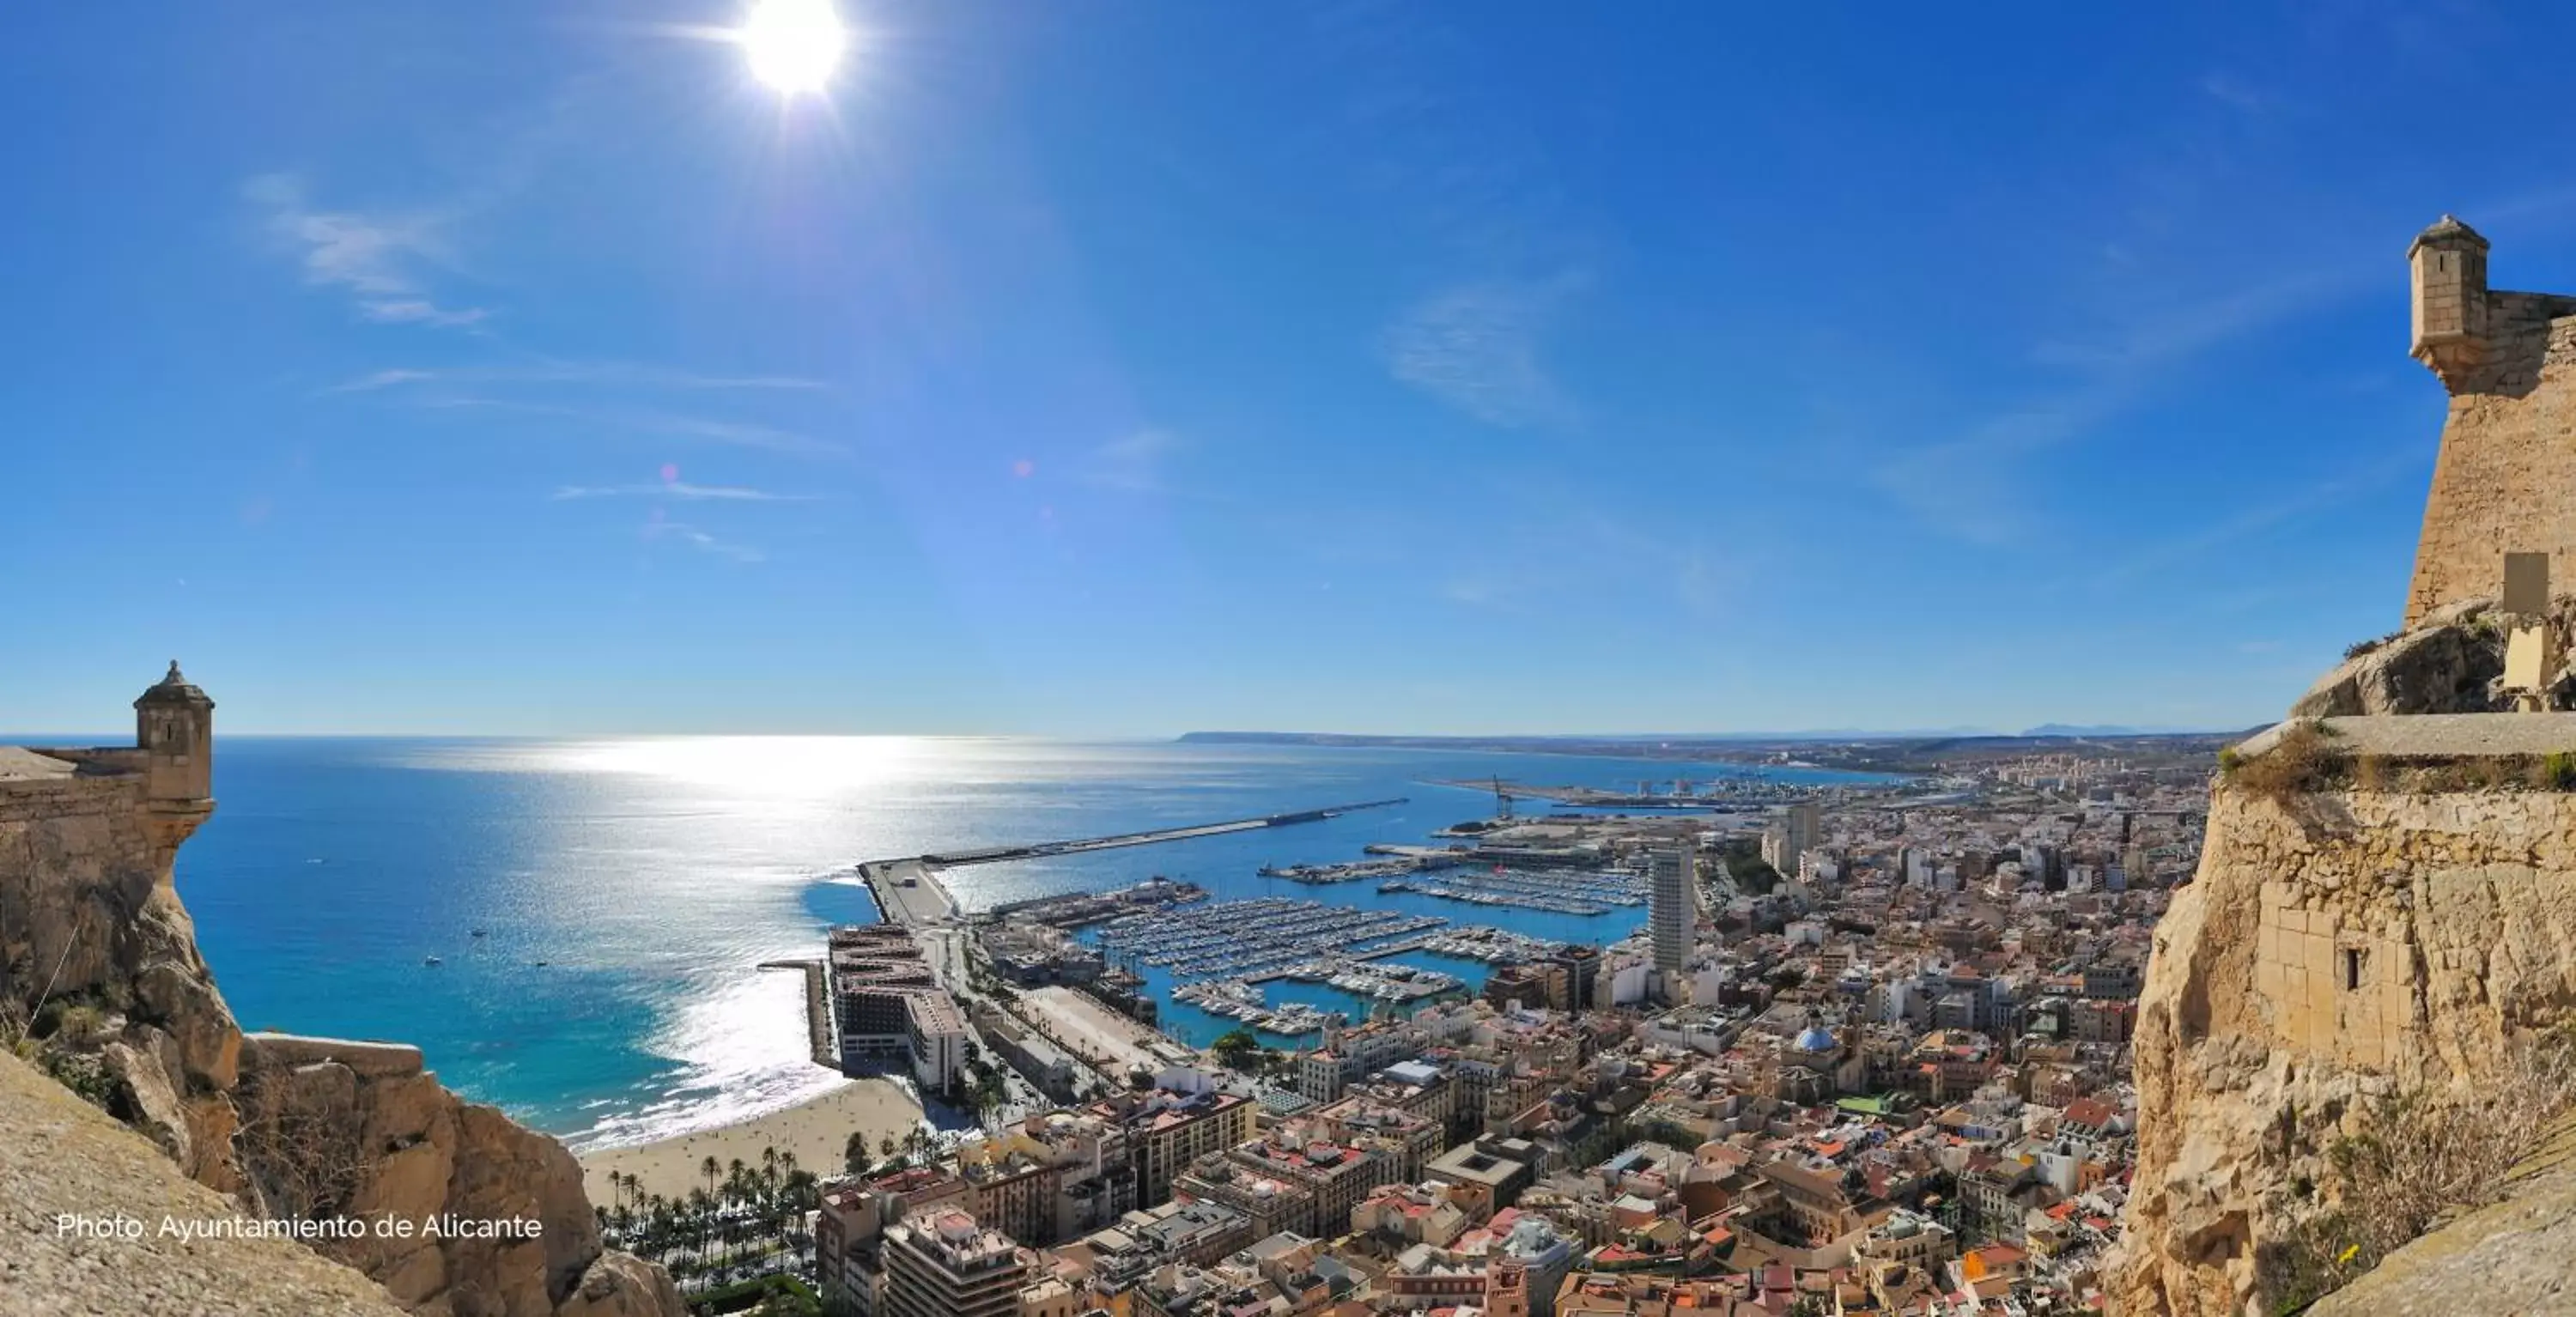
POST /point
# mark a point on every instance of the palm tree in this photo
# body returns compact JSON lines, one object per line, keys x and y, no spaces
{"x":702,"y":1209}
{"x":708,"y":1169}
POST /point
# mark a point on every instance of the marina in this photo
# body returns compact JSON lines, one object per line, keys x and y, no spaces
{"x":1358,"y":977}
{"x":1493,"y":946}
{"x":1246,"y":938}
{"x":1559,"y":892}
{"x":1234,"y":999}
{"x":1318,"y":875}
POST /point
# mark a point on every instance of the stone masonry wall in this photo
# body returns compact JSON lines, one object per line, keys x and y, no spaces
{"x":2506,"y":476}
{"x":2334,"y":946}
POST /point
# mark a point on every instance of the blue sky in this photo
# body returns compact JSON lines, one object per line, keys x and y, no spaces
{"x":1126,"y":368}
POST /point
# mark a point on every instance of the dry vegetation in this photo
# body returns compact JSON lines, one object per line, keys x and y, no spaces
{"x":307,"y":1166}
{"x":2415,"y":1160}
{"x":2304,"y":759}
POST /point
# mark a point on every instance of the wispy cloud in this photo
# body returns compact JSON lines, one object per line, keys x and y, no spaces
{"x":684,"y":533}
{"x":2234,"y":92}
{"x":376,"y":259}
{"x":1971,"y":486}
{"x":1132,"y":462}
{"x":738,"y":434}
{"x":604,"y":374}
{"x":2283,"y":508}
{"x":1476,"y":348}
{"x":383,"y":379}
{"x":416,"y":311}
{"x":1573,"y":545}
{"x":681,"y":490}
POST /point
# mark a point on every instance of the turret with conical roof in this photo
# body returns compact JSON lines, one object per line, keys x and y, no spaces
{"x":174,"y":724}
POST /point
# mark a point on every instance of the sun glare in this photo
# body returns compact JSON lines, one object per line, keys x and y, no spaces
{"x":793,"y":45}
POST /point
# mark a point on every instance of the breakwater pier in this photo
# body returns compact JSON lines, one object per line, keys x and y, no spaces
{"x":1044,"y":849}
{"x":821,"y":1036}
{"x":908,"y":890}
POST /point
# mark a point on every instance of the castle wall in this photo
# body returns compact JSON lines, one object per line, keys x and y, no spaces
{"x":2255,"y":1040}
{"x":2506,"y":476}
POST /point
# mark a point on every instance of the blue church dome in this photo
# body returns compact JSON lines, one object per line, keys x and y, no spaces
{"x":1815,"y":1039}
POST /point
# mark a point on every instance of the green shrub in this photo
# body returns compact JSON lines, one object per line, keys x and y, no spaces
{"x":2558,"y":771}
{"x":764,"y":1296}
{"x":82,"y":1073}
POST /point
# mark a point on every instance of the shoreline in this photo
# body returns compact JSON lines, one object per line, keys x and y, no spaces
{"x":815,"y":1130}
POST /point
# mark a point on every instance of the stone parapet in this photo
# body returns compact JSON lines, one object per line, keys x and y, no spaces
{"x":371,"y":1060}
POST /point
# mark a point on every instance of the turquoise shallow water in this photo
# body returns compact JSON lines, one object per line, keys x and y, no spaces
{"x":652,"y":874}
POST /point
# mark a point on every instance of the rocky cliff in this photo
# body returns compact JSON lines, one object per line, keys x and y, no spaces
{"x":125,"y":1012}
{"x":2342,"y":941}
{"x":63,"y":1158}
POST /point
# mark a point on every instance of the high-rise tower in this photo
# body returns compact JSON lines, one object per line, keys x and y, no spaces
{"x":1672,"y":910}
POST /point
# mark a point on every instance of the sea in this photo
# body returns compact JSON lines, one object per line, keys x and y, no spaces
{"x":597,"y":909}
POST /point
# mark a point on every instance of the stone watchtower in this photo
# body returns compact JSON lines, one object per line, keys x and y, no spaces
{"x":2506,"y":478}
{"x":2449,"y":263}
{"x":174,"y":726}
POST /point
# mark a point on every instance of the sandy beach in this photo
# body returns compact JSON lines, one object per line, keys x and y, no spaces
{"x":815,"y":1130}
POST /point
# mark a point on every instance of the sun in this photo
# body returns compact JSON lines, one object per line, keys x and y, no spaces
{"x":793,"y":45}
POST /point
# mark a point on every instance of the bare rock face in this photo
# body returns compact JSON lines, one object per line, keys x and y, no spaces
{"x":2445,"y":664}
{"x":289,"y":1127}
{"x":338,"y":1128}
{"x":2334,"y":946}
{"x":622,"y":1285}
{"x":60,"y":1156}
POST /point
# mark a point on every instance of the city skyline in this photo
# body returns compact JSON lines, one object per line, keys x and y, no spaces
{"x":500,"y":369}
